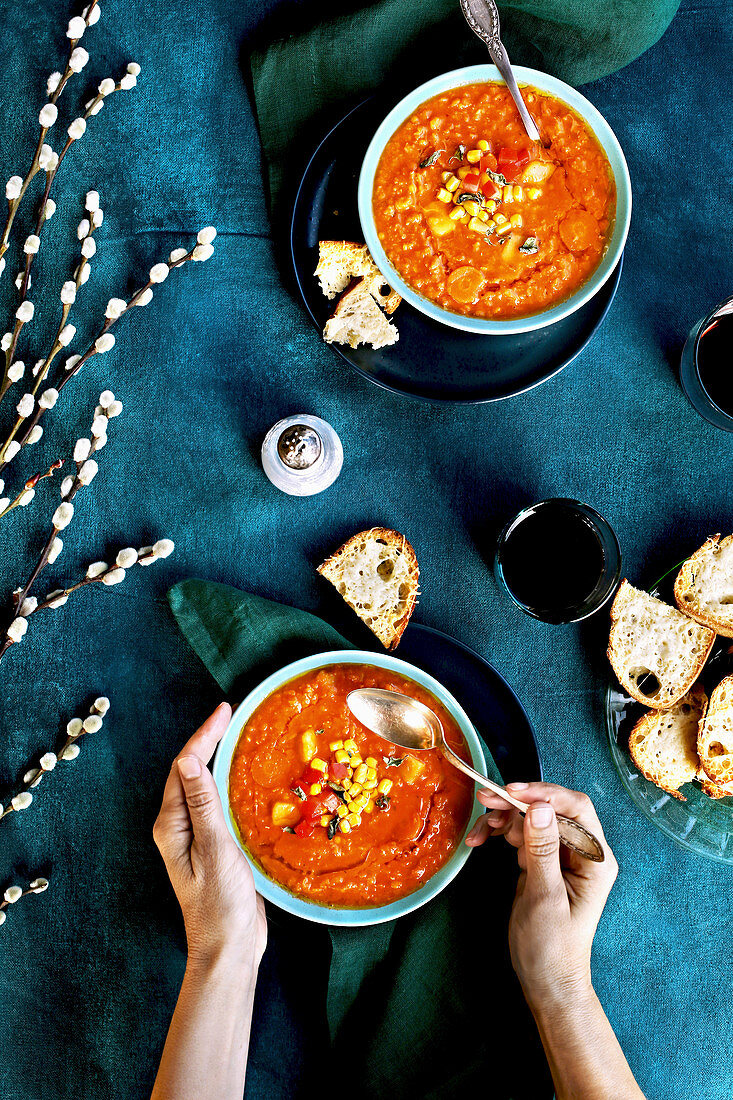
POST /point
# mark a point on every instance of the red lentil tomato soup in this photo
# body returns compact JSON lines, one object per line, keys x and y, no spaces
{"x":484,"y":222}
{"x":331,"y":811}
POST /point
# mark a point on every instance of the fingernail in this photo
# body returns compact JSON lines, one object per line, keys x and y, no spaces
{"x":517,"y":786}
{"x":189,"y":767}
{"x":541,"y":815}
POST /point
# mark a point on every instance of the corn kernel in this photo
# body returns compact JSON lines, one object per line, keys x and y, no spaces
{"x":491,"y":206}
{"x":342,"y":756}
{"x":369,"y":808}
{"x":473,"y":156}
{"x":516,"y":221}
{"x":463,"y":172}
{"x":445,"y":196}
{"x":534,"y":193}
{"x":371,"y":771}
{"x":457,"y":214}
{"x":353,"y":819}
{"x":385,"y":786}
{"x":402,"y":204}
{"x":336,"y":745}
{"x":346,"y":784}
{"x":445,"y":176}
{"x":355,"y":760}
{"x":316,"y":788}
{"x":483,"y":145}
{"x":478,"y":226}
{"x":500,"y":219}
{"x":361,"y":773}
{"x":518,"y":193}
{"x":325,"y":820}
{"x":491,"y":225}
{"x":344,"y":825}
{"x":342,"y":811}
{"x":350,"y":745}
{"x":370,"y":784}
{"x":452,"y":183}
{"x":471,"y":208}
{"x":318,"y":764}
{"x":371,"y":761}
{"x":483,"y":215}
{"x":354,"y":790}
{"x":308,"y":745}
{"x":507,"y":193}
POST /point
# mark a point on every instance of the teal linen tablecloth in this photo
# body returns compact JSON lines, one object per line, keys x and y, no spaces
{"x":89,"y":970}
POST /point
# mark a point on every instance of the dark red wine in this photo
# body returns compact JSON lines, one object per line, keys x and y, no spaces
{"x":552,"y":559}
{"x":715,"y":362}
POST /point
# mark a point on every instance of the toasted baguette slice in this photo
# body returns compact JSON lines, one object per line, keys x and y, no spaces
{"x":713,"y":790}
{"x":656,"y":651}
{"x":663,"y":743}
{"x":704,"y":585}
{"x":376,"y":573}
{"x":715,"y":736}
{"x":341,"y":261}
{"x":358,"y":319}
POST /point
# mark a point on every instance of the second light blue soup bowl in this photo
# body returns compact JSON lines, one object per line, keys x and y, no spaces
{"x":474,"y":74}
{"x":266,"y":886}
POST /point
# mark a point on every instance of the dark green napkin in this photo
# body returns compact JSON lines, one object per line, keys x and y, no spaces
{"x":405,"y":1000}
{"x":296,"y":79}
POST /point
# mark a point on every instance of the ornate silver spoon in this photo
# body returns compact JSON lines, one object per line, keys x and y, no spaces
{"x":405,"y":722}
{"x":482,"y":17}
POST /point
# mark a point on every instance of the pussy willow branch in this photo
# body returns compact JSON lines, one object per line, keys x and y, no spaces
{"x":30,"y":422}
{"x":13,"y":894}
{"x":75,"y":730}
{"x":30,"y":487}
{"x":65,"y":76}
{"x":40,"y":222}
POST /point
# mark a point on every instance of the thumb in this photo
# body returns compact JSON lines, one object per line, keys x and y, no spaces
{"x":202,"y":798}
{"x":542,"y":849}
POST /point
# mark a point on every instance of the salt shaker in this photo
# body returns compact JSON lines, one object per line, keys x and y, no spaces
{"x":302,"y":455}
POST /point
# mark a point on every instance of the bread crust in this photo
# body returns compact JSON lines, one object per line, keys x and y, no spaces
{"x":685,"y":583}
{"x":646,"y":727}
{"x":358,"y":262}
{"x":619,"y":667}
{"x":718,"y":767}
{"x":331,"y":569}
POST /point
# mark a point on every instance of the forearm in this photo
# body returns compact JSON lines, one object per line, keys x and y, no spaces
{"x":583,"y":1053}
{"x":205,"y":1052}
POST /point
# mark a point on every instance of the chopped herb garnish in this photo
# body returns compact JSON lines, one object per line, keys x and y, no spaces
{"x":530,"y":246}
{"x":299,"y":792}
{"x":393,"y":761}
{"x":466,"y":196}
{"x":459,"y":153}
{"x":382,"y":801}
{"x":340,"y":791}
{"x":288,"y":829}
{"x":320,"y":731}
{"x":496,"y":177}
{"x":332,"y":827}
{"x":430,"y":160}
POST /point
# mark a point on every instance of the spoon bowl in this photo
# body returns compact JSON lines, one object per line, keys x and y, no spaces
{"x":411,"y":725}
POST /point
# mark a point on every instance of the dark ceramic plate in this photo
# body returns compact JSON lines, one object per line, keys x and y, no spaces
{"x":430,"y":360}
{"x":493,"y":708}
{"x":702,"y":825}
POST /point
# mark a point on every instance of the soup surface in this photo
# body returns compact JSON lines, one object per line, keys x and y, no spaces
{"x":335,"y":813}
{"x":484,"y":222}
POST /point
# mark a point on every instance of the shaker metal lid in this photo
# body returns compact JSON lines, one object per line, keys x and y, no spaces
{"x":299,"y":447}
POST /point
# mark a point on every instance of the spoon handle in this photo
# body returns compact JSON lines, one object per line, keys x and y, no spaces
{"x":499,"y":56}
{"x":572,"y":833}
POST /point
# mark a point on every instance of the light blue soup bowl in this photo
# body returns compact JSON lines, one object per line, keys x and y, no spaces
{"x":473,"y":74}
{"x":324,"y":914}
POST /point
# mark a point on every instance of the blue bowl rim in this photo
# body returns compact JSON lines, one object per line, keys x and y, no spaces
{"x":603,"y":132}
{"x":267,"y":887}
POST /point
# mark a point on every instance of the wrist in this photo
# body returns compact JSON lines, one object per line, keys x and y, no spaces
{"x":235,"y":962}
{"x":566,"y":995}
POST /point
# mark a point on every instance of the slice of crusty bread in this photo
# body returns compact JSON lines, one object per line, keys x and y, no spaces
{"x":341,"y":261}
{"x":656,"y":651}
{"x":376,"y":572}
{"x":704,"y":585}
{"x":713,"y":790}
{"x":358,"y":319}
{"x":663,"y":743}
{"x":715,"y":736}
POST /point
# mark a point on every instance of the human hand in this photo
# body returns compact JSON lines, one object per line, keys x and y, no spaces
{"x":210,"y":875}
{"x":560,"y":895}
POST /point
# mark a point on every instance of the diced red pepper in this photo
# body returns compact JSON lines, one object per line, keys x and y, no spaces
{"x":487,"y":163}
{"x":511,"y":161}
{"x":330,"y":802}
{"x":491,"y":190}
{"x":310,"y":776}
{"x":338,"y":771}
{"x":304,"y":827}
{"x":470,"y":182}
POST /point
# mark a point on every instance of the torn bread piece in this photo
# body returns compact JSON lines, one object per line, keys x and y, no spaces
{"x":663,"y":743}
{"x":376,"y":573}
{"x":656,"y":651}
{"x":715,"y":736}
{"x":341,"y":261}
{"x":704,"y":585}
{"x":358,"y":319}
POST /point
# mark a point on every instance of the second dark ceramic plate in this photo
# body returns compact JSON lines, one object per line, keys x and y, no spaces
{"x":430,"y":360}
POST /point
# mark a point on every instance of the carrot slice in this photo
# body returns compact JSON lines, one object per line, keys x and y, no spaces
{"x":579,"y":230}
{"x":464,"y":284}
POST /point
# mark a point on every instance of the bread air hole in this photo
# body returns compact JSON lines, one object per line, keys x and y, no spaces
{"x":715,"y":749}
{"x":646,"y":681}
{"x":385,"y":569}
